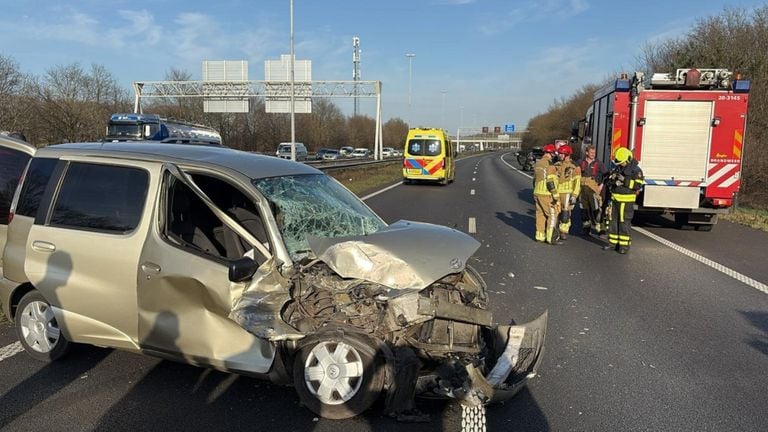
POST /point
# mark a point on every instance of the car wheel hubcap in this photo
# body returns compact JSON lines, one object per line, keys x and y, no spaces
{"x":39,"y":327}
{"x":333,"y":372}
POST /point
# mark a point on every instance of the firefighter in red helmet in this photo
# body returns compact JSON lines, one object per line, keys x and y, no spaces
{"x":568,"y":186}
{"x":545,"y":196}
{"x":624,"y":183}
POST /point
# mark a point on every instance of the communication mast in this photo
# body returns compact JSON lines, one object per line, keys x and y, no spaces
{"x":356,"y":69}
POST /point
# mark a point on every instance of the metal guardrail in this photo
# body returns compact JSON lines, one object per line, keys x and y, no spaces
{"x":331,"y":166}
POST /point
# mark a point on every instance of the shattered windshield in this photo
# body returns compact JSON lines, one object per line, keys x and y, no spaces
{"x":316,"y":205}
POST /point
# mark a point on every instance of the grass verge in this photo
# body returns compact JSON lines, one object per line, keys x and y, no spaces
{"x":362,"y":180}
{"x":751,"y":217}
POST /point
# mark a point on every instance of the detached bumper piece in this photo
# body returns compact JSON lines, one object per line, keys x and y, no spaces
{"x":518,"y":351}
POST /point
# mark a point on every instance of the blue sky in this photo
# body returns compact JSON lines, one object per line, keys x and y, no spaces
{"x":498,"y":61}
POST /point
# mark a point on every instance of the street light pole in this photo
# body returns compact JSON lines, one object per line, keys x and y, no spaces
{"x":410,"y":81}
{"x":442,"y":111}
{"x":293,"y":99}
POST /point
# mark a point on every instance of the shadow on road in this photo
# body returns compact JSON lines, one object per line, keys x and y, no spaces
{"x":48,"y":381}
{"x":525,"y":223}
{"x":525,"y":195}
{"x":759,"y":320}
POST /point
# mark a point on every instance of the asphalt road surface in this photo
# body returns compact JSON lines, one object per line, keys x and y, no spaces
{"x":672,"y":337}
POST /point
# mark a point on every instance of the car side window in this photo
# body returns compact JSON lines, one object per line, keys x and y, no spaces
{"x":190,"y":223}
{"x":105,"y":198}
{"x":35,"y":181}
{"x":12,"y":164}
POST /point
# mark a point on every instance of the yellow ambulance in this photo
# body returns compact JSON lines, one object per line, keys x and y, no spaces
{"x":428,"y":155}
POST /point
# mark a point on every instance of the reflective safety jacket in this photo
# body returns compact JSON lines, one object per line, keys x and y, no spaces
{"x":544,"y":178}
{"x":624,"y":182}
{"x":569,"y":178}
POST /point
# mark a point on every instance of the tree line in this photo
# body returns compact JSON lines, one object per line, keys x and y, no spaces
{"x":735,"y":39}
{"x":71,"y":103}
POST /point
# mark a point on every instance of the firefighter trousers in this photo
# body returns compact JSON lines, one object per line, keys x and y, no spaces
{"x":621,"y":223}
{"x":564,"y":216}
{"x":546,"y":217}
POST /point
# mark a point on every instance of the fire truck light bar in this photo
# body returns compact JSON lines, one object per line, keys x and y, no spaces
{"x":622,"y":85}
{"x":741,"y":86}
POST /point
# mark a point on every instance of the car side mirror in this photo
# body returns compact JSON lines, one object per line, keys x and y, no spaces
{"x":575,"y":128}
{"x":242,"y":269}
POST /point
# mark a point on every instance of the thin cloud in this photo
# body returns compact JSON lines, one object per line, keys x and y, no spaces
{"x":559,"y":10}
{"x":453,"y":2}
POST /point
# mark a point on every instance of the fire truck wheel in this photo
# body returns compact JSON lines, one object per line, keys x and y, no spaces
{"x":705,"y":228}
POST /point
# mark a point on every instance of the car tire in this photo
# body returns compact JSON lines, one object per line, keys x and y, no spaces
{"x":38,"y":330}
{"x":338,"y":377}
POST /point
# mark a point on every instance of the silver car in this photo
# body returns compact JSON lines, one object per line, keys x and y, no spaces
{"x":254,"y":265}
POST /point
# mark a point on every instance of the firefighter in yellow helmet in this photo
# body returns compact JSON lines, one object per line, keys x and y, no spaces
{"x":623,"y":182}
{"x":568,"y":186}
{"x":545,"y":196}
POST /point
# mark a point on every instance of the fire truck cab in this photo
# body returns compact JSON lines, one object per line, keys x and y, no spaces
{"x":686,"y":130}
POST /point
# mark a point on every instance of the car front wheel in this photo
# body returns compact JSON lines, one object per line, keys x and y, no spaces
{"x":38,"y":330}
{"x":338,"y":377}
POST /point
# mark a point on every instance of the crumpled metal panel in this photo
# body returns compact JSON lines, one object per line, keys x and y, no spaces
{"x":404,"y":255}
{"x":258,"y":308}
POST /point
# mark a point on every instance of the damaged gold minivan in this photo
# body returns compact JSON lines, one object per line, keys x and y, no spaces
{"x":254,"y":265}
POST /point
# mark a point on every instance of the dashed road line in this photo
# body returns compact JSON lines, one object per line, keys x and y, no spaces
{"x":704,"y":260}
{"x":473,"y":179}
{"x":11,"y":350}
{"x":472,"y":226}
{"x":472,"y":192}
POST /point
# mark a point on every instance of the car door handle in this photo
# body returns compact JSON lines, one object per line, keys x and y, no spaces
{"x":150,"y":268}
{"x":42,"y":246}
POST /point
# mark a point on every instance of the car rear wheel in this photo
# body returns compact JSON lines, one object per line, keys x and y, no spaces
{"x":338,"y":377}
{"x":38,"y":330}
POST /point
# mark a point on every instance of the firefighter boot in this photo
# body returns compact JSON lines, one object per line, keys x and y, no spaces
{"x":623,"y":250}
{"x":540,"y":236}
{"x":553,"y":237}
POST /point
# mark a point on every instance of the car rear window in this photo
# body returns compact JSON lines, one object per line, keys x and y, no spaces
{"x":101,"y":198}
{"x":12,"y":163}
{"x":424,"y":147}
{"x":35,"y":182}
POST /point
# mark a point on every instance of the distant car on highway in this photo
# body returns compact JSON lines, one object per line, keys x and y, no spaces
{"x":331,"y":154}
{"x":319,"y":155}
{"x":284,"y":151}
{"x":387,"y":152}
{"x":346,"y":151}
{"x":360,"y":152}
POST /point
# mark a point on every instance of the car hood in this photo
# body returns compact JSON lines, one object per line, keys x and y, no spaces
{"x":404,"y":255}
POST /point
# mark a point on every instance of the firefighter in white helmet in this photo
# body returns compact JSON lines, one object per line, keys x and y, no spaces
{"x":624,"y":183}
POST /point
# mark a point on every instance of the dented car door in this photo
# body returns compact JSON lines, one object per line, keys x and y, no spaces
{"x":184,"y":292}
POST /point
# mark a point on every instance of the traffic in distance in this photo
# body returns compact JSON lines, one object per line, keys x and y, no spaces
{"x":258,"y":265}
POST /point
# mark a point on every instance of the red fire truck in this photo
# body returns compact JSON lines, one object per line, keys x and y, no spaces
{"x":687,"y":132}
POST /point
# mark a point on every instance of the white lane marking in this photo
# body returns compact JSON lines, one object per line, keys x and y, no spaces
{"x":371,"y":195}
{"x":472,"y":192}
{"x":11,"y":350}
{"x":507,"y":164}
{"x":472,"y":226}
{"x":706,"y":261}
{"x":473,"y":179}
